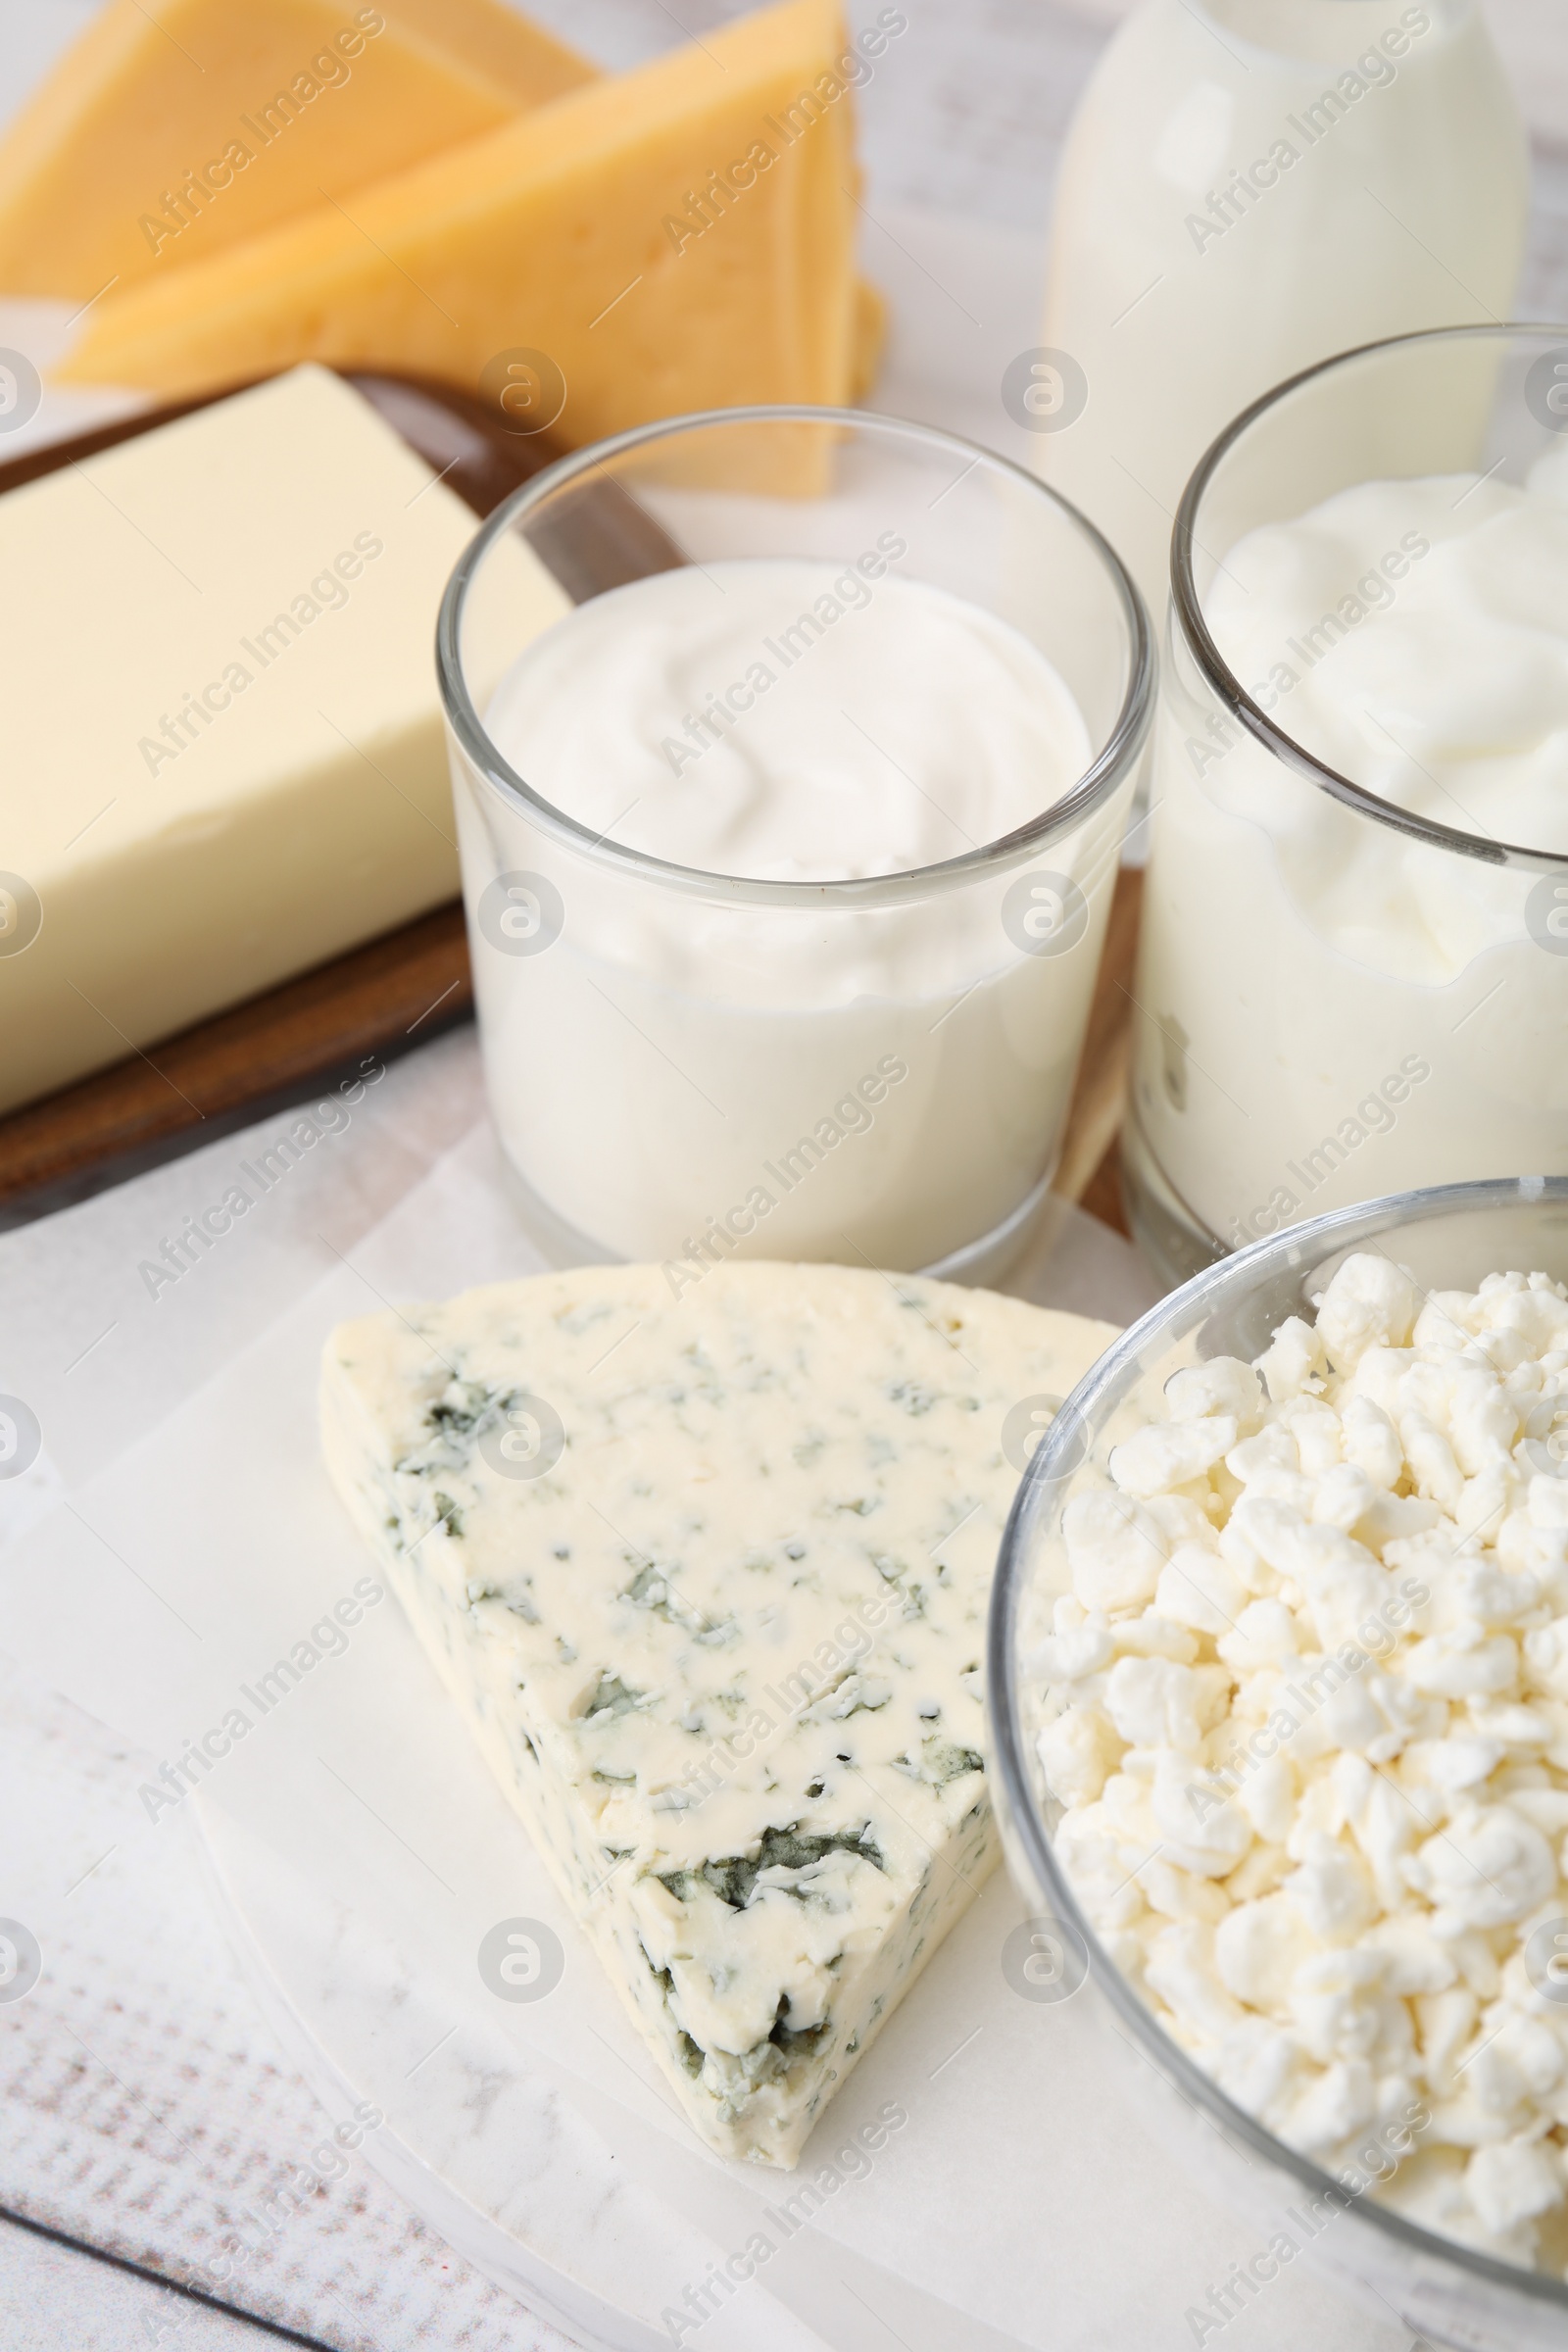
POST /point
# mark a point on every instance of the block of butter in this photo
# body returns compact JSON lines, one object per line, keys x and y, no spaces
{"x":224,"y":755}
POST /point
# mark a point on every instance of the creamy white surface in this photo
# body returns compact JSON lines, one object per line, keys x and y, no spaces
{"x":1446,"y":690}
{"x":652,"y":1067}
{"x":1406,"y":209}
{"x":1309,"y":1719}
{"x":901,"y":728}
{"x":1414,"y":635}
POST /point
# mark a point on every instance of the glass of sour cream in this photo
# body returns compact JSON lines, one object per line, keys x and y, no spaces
{"x":1353,"y":966}
{"x":792,"y":752}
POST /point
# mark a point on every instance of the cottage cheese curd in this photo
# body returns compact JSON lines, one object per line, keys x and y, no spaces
{"x":1331,"y":1010}
{"x":1308,"y":1716}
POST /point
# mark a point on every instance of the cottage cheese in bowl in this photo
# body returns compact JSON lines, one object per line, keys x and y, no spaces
{"x":1307,"y":1718}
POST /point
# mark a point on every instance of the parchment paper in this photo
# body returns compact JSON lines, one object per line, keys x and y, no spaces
{"x":159,"y":1589}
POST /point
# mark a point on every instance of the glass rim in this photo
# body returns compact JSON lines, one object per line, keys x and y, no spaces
{"x":1222,"y":680}
{"x":1010,"y":1747}
{"x":1089,"y":793}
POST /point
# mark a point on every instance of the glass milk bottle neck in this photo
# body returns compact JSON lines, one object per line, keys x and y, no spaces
{"x":1327,"y":31}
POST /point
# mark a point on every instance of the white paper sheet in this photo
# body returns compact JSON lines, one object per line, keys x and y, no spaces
{"x":160,"y":1590}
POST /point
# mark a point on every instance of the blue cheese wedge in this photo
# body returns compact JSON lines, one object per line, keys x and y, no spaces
{"x":707,"y":1578}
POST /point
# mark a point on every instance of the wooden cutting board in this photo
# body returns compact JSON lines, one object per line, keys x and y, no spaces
{"x":398,"y":990}
{"x":379,"y":1001}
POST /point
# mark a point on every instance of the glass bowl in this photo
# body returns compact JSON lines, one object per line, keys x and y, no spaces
{"x":1445,"y":1236}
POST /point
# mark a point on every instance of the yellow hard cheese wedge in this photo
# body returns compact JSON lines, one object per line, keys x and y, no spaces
{"x":870,"y":338}
{"x":176,"y":129}
{"x":676,"y":238}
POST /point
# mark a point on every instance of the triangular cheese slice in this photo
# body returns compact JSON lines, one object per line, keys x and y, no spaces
{"x":678,"y":238}
{"x":176,"y":128}
{"x":708,"y":1576}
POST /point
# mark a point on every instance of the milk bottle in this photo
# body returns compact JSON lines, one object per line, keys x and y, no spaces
{"x":1249,"y":186}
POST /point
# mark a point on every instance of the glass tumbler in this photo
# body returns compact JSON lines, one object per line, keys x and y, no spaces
{"x":1340,"y":995}
{"x":686,"y":1064}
